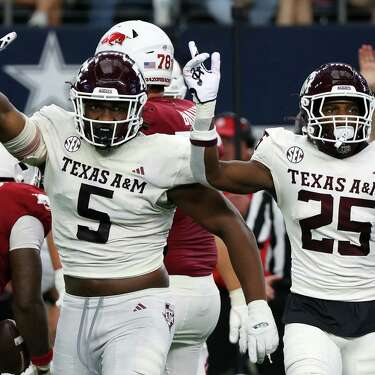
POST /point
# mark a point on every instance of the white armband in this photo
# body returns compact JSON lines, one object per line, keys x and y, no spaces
{"x":203,"y":135}
{"x":29,"y":145}
{"x":237,"y":298}
{"x":200,"y":137}
{"x":206,"y":110}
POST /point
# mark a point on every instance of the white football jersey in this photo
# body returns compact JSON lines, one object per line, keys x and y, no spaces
{"x":111,"y":215}
{"x":329,"y":210}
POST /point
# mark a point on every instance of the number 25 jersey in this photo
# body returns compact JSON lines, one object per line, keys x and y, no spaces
{"x":328,"y":206}
{"x":110,"y":211}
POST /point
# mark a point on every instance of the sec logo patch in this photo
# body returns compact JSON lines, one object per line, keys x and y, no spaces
{"x":72,"y":143}
{"x":295,"y":154}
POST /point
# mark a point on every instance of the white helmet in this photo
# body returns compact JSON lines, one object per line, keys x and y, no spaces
{"x":13,"y":170}
{"x":147,"y":44}
{"x":177,"y":88}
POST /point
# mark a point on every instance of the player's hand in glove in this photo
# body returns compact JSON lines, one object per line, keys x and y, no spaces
{"x":238,"y":317}
{"x":38,"y":370}
{"x":202,"y":83}
{"x":263,"y":338}
{"x":7,"y":39}
{"x":44,"y":370}
{"x":60,"y":285}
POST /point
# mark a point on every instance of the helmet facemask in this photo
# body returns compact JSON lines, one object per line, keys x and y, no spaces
{"x":115,"y":83}
{"x":338,"y":135}
{"x":108,"y":133}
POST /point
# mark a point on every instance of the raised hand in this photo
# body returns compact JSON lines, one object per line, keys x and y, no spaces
{"x":366,"y":60}
{"x":202,"y":82}
{"x":7,"y":39}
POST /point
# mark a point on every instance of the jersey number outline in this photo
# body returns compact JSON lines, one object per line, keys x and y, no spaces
{"x":325,"y":245}
{"x":84,"y":233}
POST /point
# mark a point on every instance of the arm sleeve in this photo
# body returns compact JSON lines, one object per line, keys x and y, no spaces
{"x":27,"y":233}
{"x":29,"y":145}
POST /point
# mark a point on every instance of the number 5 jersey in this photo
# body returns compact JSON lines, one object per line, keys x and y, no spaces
{"x":328,"y":206}
{"x":111,"y":214}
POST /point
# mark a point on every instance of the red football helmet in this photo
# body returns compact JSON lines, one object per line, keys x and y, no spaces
{"x":109,"y":77}
{"x":337,"y":135}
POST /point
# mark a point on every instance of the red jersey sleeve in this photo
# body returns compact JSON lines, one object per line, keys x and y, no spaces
{"x":17,"y":200}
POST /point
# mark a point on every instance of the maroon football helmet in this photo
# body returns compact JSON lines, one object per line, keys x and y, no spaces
{"x":109,"y":77}
{"x":337,"y":135}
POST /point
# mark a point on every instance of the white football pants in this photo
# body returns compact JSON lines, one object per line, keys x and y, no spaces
{"x":128,"y":334}
{"x":310,"y":351}
{"x":197,"y":312}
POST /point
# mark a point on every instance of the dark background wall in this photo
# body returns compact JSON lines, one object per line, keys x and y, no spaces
{"x":274,"y":61}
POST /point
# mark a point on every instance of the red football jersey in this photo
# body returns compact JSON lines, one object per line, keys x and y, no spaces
{"x":168,"y":116}
{"x":191,"y":249}
{"x":17,"y":200}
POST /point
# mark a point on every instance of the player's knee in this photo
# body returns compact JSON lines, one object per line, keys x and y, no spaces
{"x":306,"y":366}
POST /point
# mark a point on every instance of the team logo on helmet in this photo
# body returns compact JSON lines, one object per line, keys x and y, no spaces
{"x":117,"y":38}
{"x":72,"y":143}
{"x":295,"y":154}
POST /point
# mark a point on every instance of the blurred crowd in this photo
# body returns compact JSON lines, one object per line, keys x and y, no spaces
{"x":167,"y":13}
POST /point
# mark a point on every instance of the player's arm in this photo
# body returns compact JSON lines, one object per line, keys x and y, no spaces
{"x":57,"y":267}
{"x":215,"y":213}
{"x":224,"y":266}
{"x":26,"y":274}
{"x":12,"y":121}
{"x":233,"y":176}
{"x":20,"y":135}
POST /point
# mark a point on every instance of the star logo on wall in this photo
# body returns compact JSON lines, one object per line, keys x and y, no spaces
{"x":45,"y":81}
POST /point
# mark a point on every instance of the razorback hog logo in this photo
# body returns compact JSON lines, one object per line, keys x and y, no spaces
{"x":115,"y":38}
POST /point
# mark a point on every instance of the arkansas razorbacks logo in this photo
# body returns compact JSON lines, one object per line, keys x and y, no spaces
{"x":114,"y":38}
{"x":117,"y":38}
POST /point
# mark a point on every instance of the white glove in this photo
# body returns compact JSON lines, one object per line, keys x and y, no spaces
{"x":38,"y":370}
{"x":60,"y":285}
{"x":238,"y":317}
{"x":203,"y":83}
{"x":7,"y":39}
{"x":263,"y":337}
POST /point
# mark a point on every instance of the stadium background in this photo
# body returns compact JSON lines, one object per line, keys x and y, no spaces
{"x":273,"y":62}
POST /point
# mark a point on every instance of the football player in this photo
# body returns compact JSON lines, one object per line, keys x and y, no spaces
{"x":324,"y":184}
{"x":191,"y":253}
{"x":25,"y":220}
{"x":113,"y":192}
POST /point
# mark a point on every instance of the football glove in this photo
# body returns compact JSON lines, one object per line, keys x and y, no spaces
{"x":238,"y":317}
{"x":202,"y":83}
{"x":7,"y":39}
{"x":262,"y":334}
{"x":38,"y":370}
{"x":60,"y":285}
